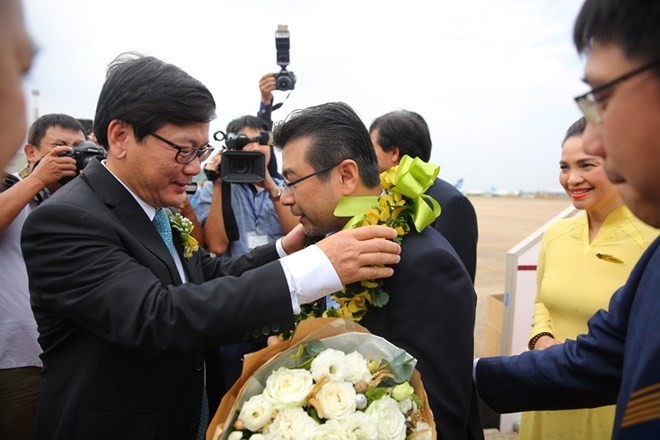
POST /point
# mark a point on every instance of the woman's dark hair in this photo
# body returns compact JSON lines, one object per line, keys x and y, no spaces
{"x":576,"y":129}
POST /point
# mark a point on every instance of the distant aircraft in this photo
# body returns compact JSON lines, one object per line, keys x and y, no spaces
{"x":503,"y":193}
{"x":493,"y":192}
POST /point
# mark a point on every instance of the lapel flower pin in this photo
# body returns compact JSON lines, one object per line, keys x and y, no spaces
{"x":184,"y":226}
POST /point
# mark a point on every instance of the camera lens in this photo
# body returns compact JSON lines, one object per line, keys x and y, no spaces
{"x":284,"y":83}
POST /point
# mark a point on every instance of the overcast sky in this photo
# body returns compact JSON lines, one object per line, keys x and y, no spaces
{"x":494,"y":79}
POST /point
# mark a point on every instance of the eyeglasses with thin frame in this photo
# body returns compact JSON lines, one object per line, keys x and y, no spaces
{"x":589,"y":103}
{"x":187,"y":154}
{"x":290,"y":185}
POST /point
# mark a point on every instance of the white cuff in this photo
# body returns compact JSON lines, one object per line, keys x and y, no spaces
{"x":310,"y":276}
{"x":280,"y":248}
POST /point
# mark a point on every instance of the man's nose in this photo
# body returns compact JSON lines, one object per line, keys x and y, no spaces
{"x":193,"y":167}
{"x":592,"y":141}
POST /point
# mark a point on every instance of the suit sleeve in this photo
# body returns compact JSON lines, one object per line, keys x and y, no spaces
{"x":86,"y":269}
{"x":584,"y":373}
{"x":433,"y":319}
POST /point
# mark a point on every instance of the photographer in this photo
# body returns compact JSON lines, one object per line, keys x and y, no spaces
{"x":20,"y":366}
{"x":260,"y":217}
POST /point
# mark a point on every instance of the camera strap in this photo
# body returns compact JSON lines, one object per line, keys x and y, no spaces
{"x":280,"y":104}
{"x":231,"y":227}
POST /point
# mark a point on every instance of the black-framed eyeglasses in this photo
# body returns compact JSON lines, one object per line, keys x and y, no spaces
{"x":187,"y":154}
{"x":290,"y":185}
{"x":588,"y":102}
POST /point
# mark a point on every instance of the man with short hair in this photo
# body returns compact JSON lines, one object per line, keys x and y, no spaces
{"x":126,"y":304}
{"x":20,"y":367}
{"x":403,"y":132}
{"x":328,"y":155}
{"x":618,"y":360}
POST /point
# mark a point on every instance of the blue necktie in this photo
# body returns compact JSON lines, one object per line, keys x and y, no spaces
{"x":162,"y":224}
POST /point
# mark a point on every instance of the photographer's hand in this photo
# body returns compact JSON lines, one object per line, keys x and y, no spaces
{"x":14,"y":199}
{"x":267,"y":84}
{"x":52,"y":167}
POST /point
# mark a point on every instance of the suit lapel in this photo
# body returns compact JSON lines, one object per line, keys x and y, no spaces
{"x":130,"y":214}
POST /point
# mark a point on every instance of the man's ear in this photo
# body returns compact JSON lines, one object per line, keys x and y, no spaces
{"x":31,"y":153}
{"x":118,"y":135}
{"x":395,"y":155}
{"x":349,"y":175}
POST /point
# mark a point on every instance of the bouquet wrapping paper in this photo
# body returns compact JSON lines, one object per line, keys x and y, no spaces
{"x":340,"y":334}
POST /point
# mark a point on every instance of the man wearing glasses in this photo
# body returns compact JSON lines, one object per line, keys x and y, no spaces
{"x":618,"y":361}
{"x":125,"y":305}
{"x":327,"y":154}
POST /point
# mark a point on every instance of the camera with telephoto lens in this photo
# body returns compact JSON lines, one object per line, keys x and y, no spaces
{"x":238,"y":166}
{"x":83,"y":153}
{"x":285,"y":79}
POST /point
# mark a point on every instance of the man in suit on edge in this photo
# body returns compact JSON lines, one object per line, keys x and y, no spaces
{"x":327,"y":154}
{"x":125,"y":307}
{"x":15,"y":60}
{"x":618,"y":360}
{"x":401,"y":132}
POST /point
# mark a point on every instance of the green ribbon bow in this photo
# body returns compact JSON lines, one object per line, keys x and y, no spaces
{"x":413,"y":178}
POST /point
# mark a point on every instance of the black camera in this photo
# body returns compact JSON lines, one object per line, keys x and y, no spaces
{"x":285,"y":79}
{"x":83,"y":153}
{"x":238,"y":166}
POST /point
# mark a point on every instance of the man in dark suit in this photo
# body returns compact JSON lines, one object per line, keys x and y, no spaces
{"x":618,"y":360}
{"x":126,"y":306}
{"x":327,"y":154}
{"x":403,"y":132}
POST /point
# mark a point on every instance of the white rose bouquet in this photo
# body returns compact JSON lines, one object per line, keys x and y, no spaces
{"x":349,"y":385}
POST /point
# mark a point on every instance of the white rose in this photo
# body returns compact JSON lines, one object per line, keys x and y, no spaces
{"x":286,"y":387}
{"x":331,"y":363}
{"x":336,"y":399}
{"x":357,"y":368}
{"x":236,"y":435}
{"x":331,"y":430}
{"x":291,"y":424}
{"x":257,"y":437}
{"x":361,"y":425}
{"x":391,"y":423}
{"x":256,"y":412}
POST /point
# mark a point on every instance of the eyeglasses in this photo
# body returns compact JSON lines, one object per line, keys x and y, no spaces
{"x":290,"y":185}
{"x":187,"y":154}
{"x":589,"y":103}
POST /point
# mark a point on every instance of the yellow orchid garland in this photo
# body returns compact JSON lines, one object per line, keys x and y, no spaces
{"x":184,"y":226}
{"x":402,"y":203}
{"x":393,"y":210}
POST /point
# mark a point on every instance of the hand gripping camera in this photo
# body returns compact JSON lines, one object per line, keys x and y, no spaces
{"x":83,"y":153}
{"x":238,"y":166}
{"x":285,"y":80}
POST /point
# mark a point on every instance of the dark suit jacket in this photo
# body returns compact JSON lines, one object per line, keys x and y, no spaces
{"x":123,"y":339}
{"x":431,"y":315}
{"x":618,"y":360}
{"x":457,"y":222}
